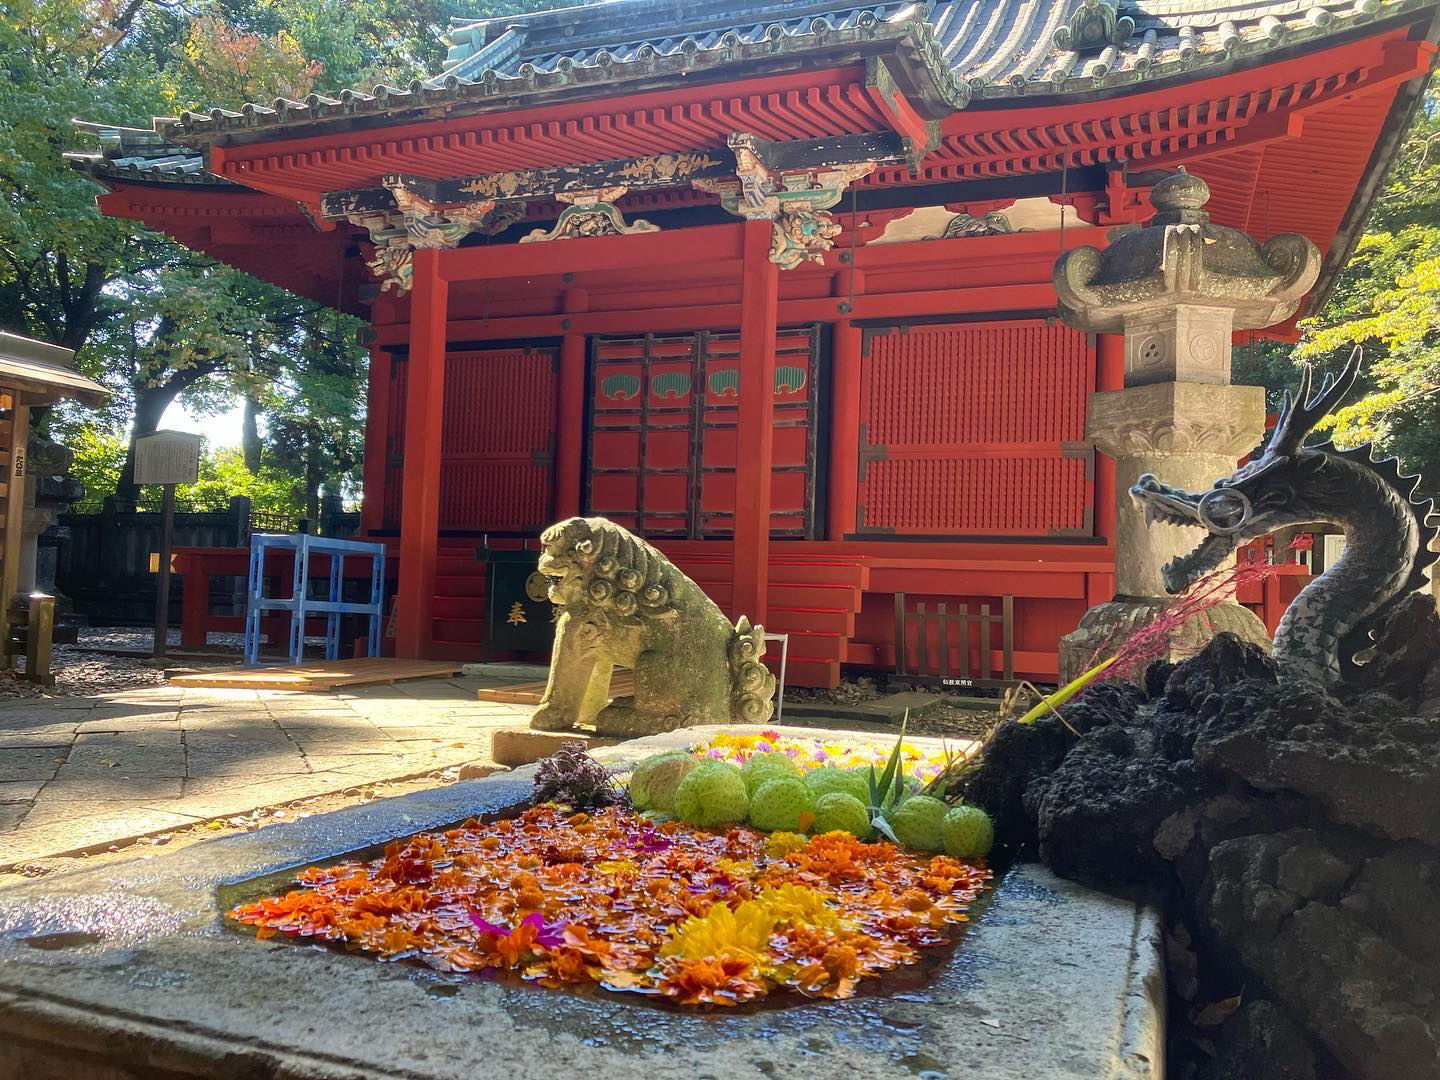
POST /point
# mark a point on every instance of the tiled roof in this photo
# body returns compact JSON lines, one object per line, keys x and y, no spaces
{"x":138,"y":154}
{"x":969,"y":49}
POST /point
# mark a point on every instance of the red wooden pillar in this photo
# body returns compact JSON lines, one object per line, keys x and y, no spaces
{"x":570,"y":422}
{"x":377,"y":418}
{"x":755,"y":428}
{"x":424,"y":411}
{"x":844,"y":430}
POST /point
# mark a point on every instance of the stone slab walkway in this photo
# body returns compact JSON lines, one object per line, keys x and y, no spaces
{"x":80,"y":774}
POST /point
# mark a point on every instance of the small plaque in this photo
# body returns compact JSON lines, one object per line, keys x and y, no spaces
{"x":167,"y":457}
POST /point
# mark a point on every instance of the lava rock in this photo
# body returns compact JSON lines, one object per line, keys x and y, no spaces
{"x":1406,"y":645}
{"x":1280,"y":901}
{"x":1097,"y":814}
{"x":1296,"y":830}
{"x":1366,"y":764}
{"x":1260,"y":1040}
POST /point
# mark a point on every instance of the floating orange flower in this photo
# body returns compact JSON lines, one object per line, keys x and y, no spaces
{"x":700,"y":917}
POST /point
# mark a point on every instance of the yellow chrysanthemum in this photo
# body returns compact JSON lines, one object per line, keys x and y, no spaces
{"x":792,"y":904}
{"x":743,"y":932}
{"x":780,"y":844}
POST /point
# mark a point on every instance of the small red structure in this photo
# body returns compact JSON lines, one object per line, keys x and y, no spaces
{"x":773,"y":289}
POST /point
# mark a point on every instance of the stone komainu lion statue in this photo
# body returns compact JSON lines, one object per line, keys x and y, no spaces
{"x":622,"y":602}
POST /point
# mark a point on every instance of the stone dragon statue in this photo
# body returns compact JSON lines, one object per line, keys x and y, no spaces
{"x":1388,"y":534}
{"x":622,"y":602}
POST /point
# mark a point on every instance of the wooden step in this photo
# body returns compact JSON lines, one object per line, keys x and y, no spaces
{"x":468,"y":608}
{"x":811,"y":647}
{"x":467,"y":652}
{"x":456,"y":585}
{"x":458,"y":630}
{"x":814,"y":620}
{"x":322,"y":675}
{"x":824,"y":674}
{"x":459,"y":566}
{"x":822,"y":597}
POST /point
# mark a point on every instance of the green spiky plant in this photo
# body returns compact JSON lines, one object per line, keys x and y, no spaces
{"x":887,"y":791}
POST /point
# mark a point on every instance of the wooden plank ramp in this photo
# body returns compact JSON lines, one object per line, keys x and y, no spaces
{"x":622,"y":684}
{"x":321,"y":675}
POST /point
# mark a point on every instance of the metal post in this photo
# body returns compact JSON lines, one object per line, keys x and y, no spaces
{"x":162,"y":593}
{"x":39,"y":632}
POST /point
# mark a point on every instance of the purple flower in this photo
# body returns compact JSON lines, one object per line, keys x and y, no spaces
{"x":650,"y":842}
{"x":550,"y":935}
{"x":763,"y":746}
{"x":485,"y":926}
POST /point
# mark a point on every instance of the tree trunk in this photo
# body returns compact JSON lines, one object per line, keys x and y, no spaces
{"x":250,"y":436}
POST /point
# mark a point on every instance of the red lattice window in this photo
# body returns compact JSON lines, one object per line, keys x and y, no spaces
{"x":976,"y":430}
{"x":497,"y":448}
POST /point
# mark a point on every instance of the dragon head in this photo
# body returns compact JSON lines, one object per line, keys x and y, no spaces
{"x":1271,"y":491}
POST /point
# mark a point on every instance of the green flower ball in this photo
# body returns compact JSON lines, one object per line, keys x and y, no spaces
{"x":766,"y":765}
{"x":843,"y":811}
{"x":777,"y":804}
{"x":966,"y":832}
{"x":654,"y":780}
{"x":712,"y":793}
{"x":827,"y":779}
{"x":916,"y":822}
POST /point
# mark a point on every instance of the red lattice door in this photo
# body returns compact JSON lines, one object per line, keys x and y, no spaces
{"x":663,"y":415}
{"x":497,"y":441}
{"x":976,"y":430}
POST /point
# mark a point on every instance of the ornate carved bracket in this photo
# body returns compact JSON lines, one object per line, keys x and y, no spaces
{"x":431,"y":225}
{"x":994,"y":223}
{"x":393,"y":262}
{"x":417,"y":223}
{"x":797,"y":202}
{"x":590,"y":213}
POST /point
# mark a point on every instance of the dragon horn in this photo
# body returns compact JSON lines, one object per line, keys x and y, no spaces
{"x":1303,"y":412}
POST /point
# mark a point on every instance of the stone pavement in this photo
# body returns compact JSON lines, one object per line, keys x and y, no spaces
{"x":80,"y":774}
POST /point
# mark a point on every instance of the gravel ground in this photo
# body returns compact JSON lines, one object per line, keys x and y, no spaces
{"x":952,"y":719}
{"x":87,"y":667}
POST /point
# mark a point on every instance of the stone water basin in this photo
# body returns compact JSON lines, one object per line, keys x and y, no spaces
{"x":129,"y":971}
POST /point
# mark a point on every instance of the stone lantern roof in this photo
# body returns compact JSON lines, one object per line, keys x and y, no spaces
{"x":1182,"y":258}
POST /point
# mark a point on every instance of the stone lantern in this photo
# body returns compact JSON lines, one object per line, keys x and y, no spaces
{"x":1177,"y":289}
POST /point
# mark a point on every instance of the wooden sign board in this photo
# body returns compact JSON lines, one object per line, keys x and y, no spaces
{"x":167,"y":457}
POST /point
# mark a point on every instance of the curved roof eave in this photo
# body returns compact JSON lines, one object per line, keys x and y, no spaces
{"x":1028,"y":67}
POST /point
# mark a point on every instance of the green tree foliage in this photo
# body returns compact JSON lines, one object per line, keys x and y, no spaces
{"x":99,"y":457}
{"x":155,"y":322}
{"x":1387,"y":300}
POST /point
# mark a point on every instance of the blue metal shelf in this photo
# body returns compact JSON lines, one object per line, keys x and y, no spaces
{"x":299,"y":603}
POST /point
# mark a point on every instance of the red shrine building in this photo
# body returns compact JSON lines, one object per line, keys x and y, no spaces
{"x":770,"y":283}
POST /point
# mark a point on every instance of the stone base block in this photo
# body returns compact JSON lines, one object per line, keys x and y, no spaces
{"x":124,"y":971}
{"x":521,"y":746}
{"x":1105,"y":627}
